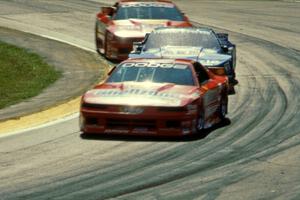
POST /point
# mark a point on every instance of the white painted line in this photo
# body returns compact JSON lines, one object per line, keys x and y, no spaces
{"x":64,"y":119}
{"x":66,"y":42}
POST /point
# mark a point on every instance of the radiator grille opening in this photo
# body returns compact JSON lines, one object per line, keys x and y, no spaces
{"x":172,"y":109}
{"x":130,"y":123}
{"x":173,"y":124}
{"x":92,"y":105}
{"x":91,"y":121}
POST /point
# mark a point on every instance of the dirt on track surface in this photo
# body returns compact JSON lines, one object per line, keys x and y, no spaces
{"x":256,"y":155}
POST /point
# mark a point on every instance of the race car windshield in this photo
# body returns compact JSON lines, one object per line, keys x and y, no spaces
{"x":178,"y":74}
{"x":148,"y":11}
{"x":204,"y":39}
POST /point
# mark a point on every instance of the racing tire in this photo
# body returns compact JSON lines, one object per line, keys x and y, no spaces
{"x":223,"y":107}
{"x":100,"y":47}
{"x":99,"y":43}
{"x":200,"y":122}
{"x":86,"y":135}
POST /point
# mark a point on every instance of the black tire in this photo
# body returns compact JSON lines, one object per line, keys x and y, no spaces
{"x":99,"y":43}
{"x":200,"y":121}
{"x":85,"y":135}
{"x":98,"y":46}
{"x":223,"y":107}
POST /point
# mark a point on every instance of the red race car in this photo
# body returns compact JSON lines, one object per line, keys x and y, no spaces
{"x":164,"y":97}
{"x":128,"y":21}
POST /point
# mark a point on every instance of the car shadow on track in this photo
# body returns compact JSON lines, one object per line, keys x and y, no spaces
{"x":144,"y":138}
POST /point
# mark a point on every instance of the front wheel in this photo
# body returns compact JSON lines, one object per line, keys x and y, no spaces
{"x":99,"y":42}
{"x":223,"y":107}
{"x":99,"y":46}
{"x":201,"y":122}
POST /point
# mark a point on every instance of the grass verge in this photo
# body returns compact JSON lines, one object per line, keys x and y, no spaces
{"x":23,"y":74}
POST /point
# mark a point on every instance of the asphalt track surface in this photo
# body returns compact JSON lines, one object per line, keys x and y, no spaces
{"x":255,"y":155}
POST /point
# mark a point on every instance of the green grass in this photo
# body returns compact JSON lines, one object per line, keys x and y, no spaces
{"x":22,"y":74}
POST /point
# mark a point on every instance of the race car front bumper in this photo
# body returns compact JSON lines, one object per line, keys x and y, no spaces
{"x":162,"y":124}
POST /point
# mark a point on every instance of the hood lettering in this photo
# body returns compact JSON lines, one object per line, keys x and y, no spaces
{"x":148,"y":4}
{"x":141,"y":92}
{"x":161,"y":65}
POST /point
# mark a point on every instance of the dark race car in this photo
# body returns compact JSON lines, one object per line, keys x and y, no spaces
{"x":117,"y":27}
{"x":211,"y":49}
{"x":163,"y":97}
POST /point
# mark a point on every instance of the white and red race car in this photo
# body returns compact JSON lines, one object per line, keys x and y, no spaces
{"x":161,"y":97}
{"x":128,"y":21}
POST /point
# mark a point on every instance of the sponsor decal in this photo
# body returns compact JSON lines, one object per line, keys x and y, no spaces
{"x":127,"y":28}
{"x":142,"y":92}
{"x":148,"y":4}
{"x":132,"y":110}
{"x":116,"y":131}
{"x":176,"y":51}
{"x":162,"y":65}
{"x":138,"y":27}
{"x":187,"y":31}
{"x":179,"y":51}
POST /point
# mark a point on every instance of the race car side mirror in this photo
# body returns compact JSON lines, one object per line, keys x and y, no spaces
{"x":137,"y":47}
{"x":105,"y":19}
{"x":111,"y":71}
{"x":185,"y":18}
{"x":109,"y":11}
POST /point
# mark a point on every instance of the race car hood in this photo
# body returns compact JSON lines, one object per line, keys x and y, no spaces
{"x":207,"y":57}
{"x":138,"y":28}
{"x":142,"y":94}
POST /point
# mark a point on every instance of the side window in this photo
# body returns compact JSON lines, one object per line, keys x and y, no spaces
{"x":201,"y":73}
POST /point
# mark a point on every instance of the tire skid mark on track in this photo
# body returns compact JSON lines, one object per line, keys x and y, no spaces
{"x":155,"y":156}
{"x":53,"y":165}
{"x":283,"y":110}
